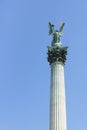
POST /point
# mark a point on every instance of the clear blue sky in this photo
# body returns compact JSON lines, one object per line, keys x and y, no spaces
{"x":24,"y":70}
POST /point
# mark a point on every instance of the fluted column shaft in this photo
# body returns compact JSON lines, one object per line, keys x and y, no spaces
{"x":57,"y":97}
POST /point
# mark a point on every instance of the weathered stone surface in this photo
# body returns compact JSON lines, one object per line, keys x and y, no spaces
{"x":57,"y":97}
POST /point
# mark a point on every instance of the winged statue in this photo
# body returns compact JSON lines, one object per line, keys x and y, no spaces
{"x":56,"y":33}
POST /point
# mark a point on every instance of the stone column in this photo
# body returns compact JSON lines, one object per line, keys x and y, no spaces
{"x":57,"y":58}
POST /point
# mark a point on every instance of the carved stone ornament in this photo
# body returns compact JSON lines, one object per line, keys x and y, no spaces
{"x":57,"y":54}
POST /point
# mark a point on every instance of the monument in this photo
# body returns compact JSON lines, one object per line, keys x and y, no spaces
{"x":56,"y":58}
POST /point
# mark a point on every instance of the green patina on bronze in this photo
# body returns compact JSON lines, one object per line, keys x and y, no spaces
{"x":56,"y":52}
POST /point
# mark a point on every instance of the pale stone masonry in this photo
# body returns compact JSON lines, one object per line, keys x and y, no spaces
{"x":56,"y":58}
{"x":57,"y":97}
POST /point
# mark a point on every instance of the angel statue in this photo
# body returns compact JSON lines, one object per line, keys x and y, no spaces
{"x":56,"y":33}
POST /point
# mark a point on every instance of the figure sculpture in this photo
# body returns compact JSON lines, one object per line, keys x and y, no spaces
{"x":56,"y":33}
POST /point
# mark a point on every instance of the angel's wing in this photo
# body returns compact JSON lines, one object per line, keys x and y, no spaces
{"x":51,"y":26}
{"x":61,"y":26}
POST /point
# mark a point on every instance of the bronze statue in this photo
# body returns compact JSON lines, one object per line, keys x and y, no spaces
{"x":56,"y":33}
